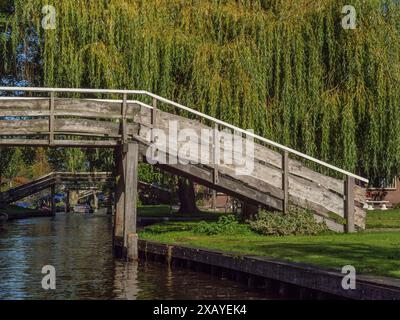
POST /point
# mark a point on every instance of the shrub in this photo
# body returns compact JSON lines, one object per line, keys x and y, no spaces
{"x":296,"y":222}
{"x":225,"y":225}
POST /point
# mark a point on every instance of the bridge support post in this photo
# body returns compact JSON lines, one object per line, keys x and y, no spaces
{"x":95,"y":201}
{"x":285,"y":182}
{"x":53,"y":200}
{"x":349,"y":204}
{"x":125,"y":237}
{"x":72,"y":200}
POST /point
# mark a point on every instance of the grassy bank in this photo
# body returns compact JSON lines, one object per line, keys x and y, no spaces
{"x":375,"y":253}
{"x":389,"y":219}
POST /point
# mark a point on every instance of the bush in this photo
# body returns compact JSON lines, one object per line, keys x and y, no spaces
{"x":296,"y":222}
{"x":225,"y":225}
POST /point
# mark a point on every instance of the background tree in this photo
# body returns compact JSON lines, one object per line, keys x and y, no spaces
{"x":41,"y":164}
{"x":5,"y":159}
{"x":75,"y":160}
{"x":187,"y":197}
{"x":287,"y":69}
{"x":15,"y":166}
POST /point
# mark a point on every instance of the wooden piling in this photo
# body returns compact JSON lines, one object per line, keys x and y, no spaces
{"x":349,"y":204}
{"x":95,"y":201}
{"x":72,"y":200}
{"x":125,"y":237}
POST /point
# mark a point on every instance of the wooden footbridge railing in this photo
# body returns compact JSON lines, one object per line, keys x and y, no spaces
{"x":108,"y":118}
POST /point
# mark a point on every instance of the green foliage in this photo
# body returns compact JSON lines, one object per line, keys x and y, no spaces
{"x":225,"y":225}
{"x":150,"y":174}
{"x":287,"y":69}
{"x":41,"y":166}
{"x":296,"y":222}
{"x":100,"y":160}
{"x":75,"y":160}
{"x":389,"y":219}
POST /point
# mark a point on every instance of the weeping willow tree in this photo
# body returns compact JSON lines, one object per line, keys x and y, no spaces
{"x":287,"y":69}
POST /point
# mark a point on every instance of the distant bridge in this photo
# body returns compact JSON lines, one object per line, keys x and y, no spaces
{"x":281,"y":176}
{"x":85,"y":182}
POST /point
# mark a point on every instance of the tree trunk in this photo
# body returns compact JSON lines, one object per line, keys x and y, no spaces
{"x":249,"y":211}
{"x":187,"y":197}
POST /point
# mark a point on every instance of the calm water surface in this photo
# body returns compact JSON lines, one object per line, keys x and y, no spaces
{"x":79,"y":247}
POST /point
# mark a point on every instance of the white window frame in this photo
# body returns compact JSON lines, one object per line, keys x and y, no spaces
{"x":392,"y":187}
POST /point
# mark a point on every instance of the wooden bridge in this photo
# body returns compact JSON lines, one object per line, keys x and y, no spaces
{"x":108,"y":118}
{"x":83,"y":181}
{"x":84,"y":184}
{"x":72,"y":181}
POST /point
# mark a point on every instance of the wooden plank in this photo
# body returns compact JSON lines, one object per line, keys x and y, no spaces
{"x":154,"y":115}
{"x":88,"y":108}
{"x":24,"y":105}
{"x":18,"y":127}
{"x":360,"y":217}
{"x":60,"y":143}
{"x":216,"y":153}
{"x":86,"y":143}
{"x":24,"y":113}
{"x":102,"y":128}
{"x":83,"y":127}
{"x":124,"y":121}
{"x":332,"y":225}
{"x":67,"y":107}
{"x":349,"y":204}
{"x":285,"y":181}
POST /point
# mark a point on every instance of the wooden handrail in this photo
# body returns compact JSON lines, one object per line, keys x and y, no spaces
{"x":182,"y":107}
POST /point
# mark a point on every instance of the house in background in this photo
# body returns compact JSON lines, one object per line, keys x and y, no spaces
{"x":384,"y":192}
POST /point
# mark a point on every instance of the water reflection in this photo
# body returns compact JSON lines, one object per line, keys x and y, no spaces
{"x":79,"y":247}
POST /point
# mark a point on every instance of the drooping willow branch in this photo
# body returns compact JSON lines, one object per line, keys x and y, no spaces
{"x":287,"y":69}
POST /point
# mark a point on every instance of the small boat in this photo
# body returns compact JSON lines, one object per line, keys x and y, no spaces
{"x":82,"y":208}
{"x":3,"y":217}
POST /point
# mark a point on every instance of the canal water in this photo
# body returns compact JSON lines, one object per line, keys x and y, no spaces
{"x":79,"y":247}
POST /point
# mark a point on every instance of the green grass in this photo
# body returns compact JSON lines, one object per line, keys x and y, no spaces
{"x":383,"y":219}
{"x":164,"y":211}
{"x":375,"y":253}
